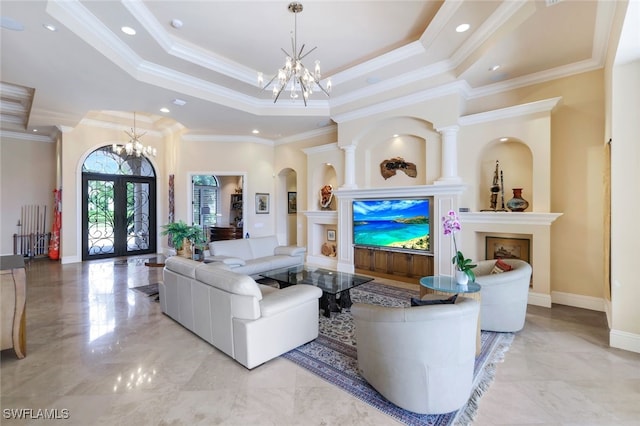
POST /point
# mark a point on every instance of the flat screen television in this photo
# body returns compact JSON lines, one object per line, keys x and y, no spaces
{"x":399,"y":223}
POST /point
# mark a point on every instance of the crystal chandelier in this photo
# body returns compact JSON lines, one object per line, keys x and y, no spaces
{"x":134,"y":146}
{"x":294,"y":76}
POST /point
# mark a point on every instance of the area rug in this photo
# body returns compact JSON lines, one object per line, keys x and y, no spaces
{"x":150,"y":290}
{"x":332,"y":356}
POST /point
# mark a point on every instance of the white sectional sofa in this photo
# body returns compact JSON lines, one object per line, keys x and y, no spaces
{"x":251,"y":256}
{"x":250,"y":322}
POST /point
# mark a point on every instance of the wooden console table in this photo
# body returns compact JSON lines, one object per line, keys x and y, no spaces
{"x":14,"y":301}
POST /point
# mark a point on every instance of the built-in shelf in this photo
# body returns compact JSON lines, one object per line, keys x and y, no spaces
{"x":518,"y":218}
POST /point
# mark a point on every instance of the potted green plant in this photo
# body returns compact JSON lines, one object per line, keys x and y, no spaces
{"x":183,"y":236}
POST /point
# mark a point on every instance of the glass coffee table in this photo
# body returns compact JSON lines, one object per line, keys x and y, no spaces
{"x":335,"y":285}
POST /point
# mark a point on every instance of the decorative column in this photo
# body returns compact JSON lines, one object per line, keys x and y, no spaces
{"x":449,"y":164}
{"x":349,"y":167}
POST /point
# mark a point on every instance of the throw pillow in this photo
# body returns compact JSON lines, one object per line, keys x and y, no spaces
{"x":419,"y":302}
{"x":500,"y":267}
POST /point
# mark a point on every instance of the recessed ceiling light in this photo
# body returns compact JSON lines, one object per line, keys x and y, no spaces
{"x":128,"y":30}
{"x":176,"y":23}
{"x":50,"y":27}
{"x":165,"y":110}
{"x":504,"y":139}
{"x":35,"y":130}
{"x":255,"y":131}
{"x":495,"y":67}
{"x":462,"y":28}
{"x":395,"y":135}
{"x":179,"y":102}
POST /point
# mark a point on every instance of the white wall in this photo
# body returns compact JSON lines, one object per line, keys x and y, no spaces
{"x":625,"y":204}
{"x":27,"y":177}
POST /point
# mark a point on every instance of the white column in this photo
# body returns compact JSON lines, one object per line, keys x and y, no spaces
{"x":349,"y":167}
{"x":449,"y":165}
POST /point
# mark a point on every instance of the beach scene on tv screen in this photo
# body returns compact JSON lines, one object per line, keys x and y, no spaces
{"x":401,"y":223}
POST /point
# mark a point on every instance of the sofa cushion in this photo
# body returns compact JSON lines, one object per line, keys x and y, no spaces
{"x":228,"y":281}
{"x":227,"y":260}
{"x":289,"y":250}
{"x":182,"y":265}
{"x":231,"y":248}
{"x":263,"y":246}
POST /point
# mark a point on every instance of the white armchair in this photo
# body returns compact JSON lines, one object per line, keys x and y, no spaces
{"x":420,"y":358}
{"x":504,"y":295}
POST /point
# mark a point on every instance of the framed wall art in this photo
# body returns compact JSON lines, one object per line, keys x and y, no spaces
{"x":331,"y":234}
{"x":292,"y":202}
{"x":262,"y":203}
{"x":508,"y":248}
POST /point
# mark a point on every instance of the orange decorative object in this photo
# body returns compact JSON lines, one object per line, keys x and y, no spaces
{"x":54,"y":244}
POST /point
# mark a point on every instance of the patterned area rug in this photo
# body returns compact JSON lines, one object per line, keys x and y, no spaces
{"x":150,"y":290}
{"x":332,"y":356}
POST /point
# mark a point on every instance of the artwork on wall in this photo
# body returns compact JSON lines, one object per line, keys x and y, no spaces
{"x":331,"y":234}
{"x":507,"y":248}
{"x":388,"y":168}
{"x":326,"y":196}
{"x":292,"y":202}
{"x":262,"y":203}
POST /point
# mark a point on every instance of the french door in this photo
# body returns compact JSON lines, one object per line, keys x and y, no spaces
{"x":118,"y":206}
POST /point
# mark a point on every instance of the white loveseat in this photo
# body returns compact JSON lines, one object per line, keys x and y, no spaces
{"x":251,"y":256}
{"x":250,"y":322}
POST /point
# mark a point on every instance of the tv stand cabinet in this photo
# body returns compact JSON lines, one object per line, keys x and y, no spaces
{"x":395,"y":265}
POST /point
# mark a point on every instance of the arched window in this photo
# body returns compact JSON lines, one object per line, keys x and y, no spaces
{"x":205,"y":200}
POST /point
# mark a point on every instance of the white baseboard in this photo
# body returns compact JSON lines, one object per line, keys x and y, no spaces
{"x":539,"y":299}
{"x":624,"y":340}
{"x":70,"y":259}
{"x":578,"y":301}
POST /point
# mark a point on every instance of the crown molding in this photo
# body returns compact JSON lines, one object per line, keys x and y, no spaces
{"x":227,"y":138}
{"x":330,"y":147}
{"x":406,"y":79}
{"x":546,"y":105}
{"x":187,"y":51}
{"x":9,"y":134}
{"x":400,"y":54}
{"x":457,"y":87}
{"x":322,"y":131}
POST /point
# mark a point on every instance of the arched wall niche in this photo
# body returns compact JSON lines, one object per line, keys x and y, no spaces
{"x":324,"y":174}
{"x":411,"y":138}
{"x":515,"y":170}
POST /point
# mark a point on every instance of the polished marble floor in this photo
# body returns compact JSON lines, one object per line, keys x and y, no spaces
{"x":102,"y":354}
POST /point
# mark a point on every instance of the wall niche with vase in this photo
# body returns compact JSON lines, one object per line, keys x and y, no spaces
{"x":515,"y":175}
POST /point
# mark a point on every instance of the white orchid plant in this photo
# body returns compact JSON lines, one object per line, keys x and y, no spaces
{"x":451,"y":225}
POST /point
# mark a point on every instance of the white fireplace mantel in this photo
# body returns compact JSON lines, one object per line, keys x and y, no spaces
{"x":511,"y":218}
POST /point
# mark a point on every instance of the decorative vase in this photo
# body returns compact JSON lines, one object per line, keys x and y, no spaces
{"x":517,"y":203}
{"x":461,"y":277}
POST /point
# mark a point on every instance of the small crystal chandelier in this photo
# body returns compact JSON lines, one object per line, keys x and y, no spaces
{"x":294,"y":76}
{"x":134,"y":146}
